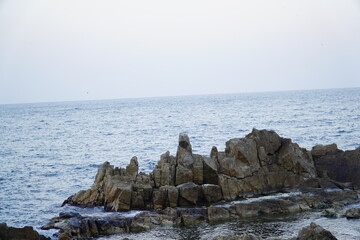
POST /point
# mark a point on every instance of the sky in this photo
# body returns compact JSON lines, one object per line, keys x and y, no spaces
{"x":67,"y":50}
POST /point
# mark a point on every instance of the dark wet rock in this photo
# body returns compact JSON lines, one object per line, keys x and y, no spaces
{"x":25,"y":233}
{"x":315,"y":232}
{"x":353,"y":213}
{"x":340,"y":166}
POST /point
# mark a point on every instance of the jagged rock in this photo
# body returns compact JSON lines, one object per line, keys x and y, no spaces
{"x":315,"y":232}
{"x":241,"y":158}
{"x":260,"y":163}
{"x":25,"y":233}
{"x":339,"y":166}
{"x":267,"y":142}
{"x":118,"y":194}
{"x":117,"y":189}
{"x":296,"y":160}
{"x":133,"y":168}
{"x":164,"y":173}
{"x":184,"y":152}
{"x":353,"y":213}
{"x":214,"y":153}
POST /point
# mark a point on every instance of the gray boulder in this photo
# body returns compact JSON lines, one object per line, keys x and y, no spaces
{"x":315,"y":232}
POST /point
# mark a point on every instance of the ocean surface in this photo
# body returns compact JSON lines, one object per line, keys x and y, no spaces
{"x":49,"y":151}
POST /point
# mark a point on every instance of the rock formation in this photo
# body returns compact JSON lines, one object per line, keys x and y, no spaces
{"x":338,"y":165}
{"x":260,"y":163}
{"x":188,"y":188}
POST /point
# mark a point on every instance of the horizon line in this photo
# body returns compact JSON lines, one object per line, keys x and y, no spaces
{"x":180,"y":95}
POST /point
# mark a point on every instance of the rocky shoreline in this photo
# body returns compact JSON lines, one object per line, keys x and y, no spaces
{"x":73,"y":225}
{"x":188,"y":189}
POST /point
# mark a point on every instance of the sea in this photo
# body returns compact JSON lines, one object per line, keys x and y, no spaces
{"x":49,"y":151}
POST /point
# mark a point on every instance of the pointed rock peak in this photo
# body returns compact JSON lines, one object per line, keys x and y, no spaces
{"x":214,"y":152}
{"x":184,"y":141}
{"x":134,"y":161}
{"x":133,"y":168}
{"x":254,"y":130}
{"x":184,"y":151}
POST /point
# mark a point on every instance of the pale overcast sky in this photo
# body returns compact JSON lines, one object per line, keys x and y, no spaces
{"x":64,"y":50}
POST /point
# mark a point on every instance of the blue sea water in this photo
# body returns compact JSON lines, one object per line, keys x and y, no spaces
{"x":49,"y":151}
